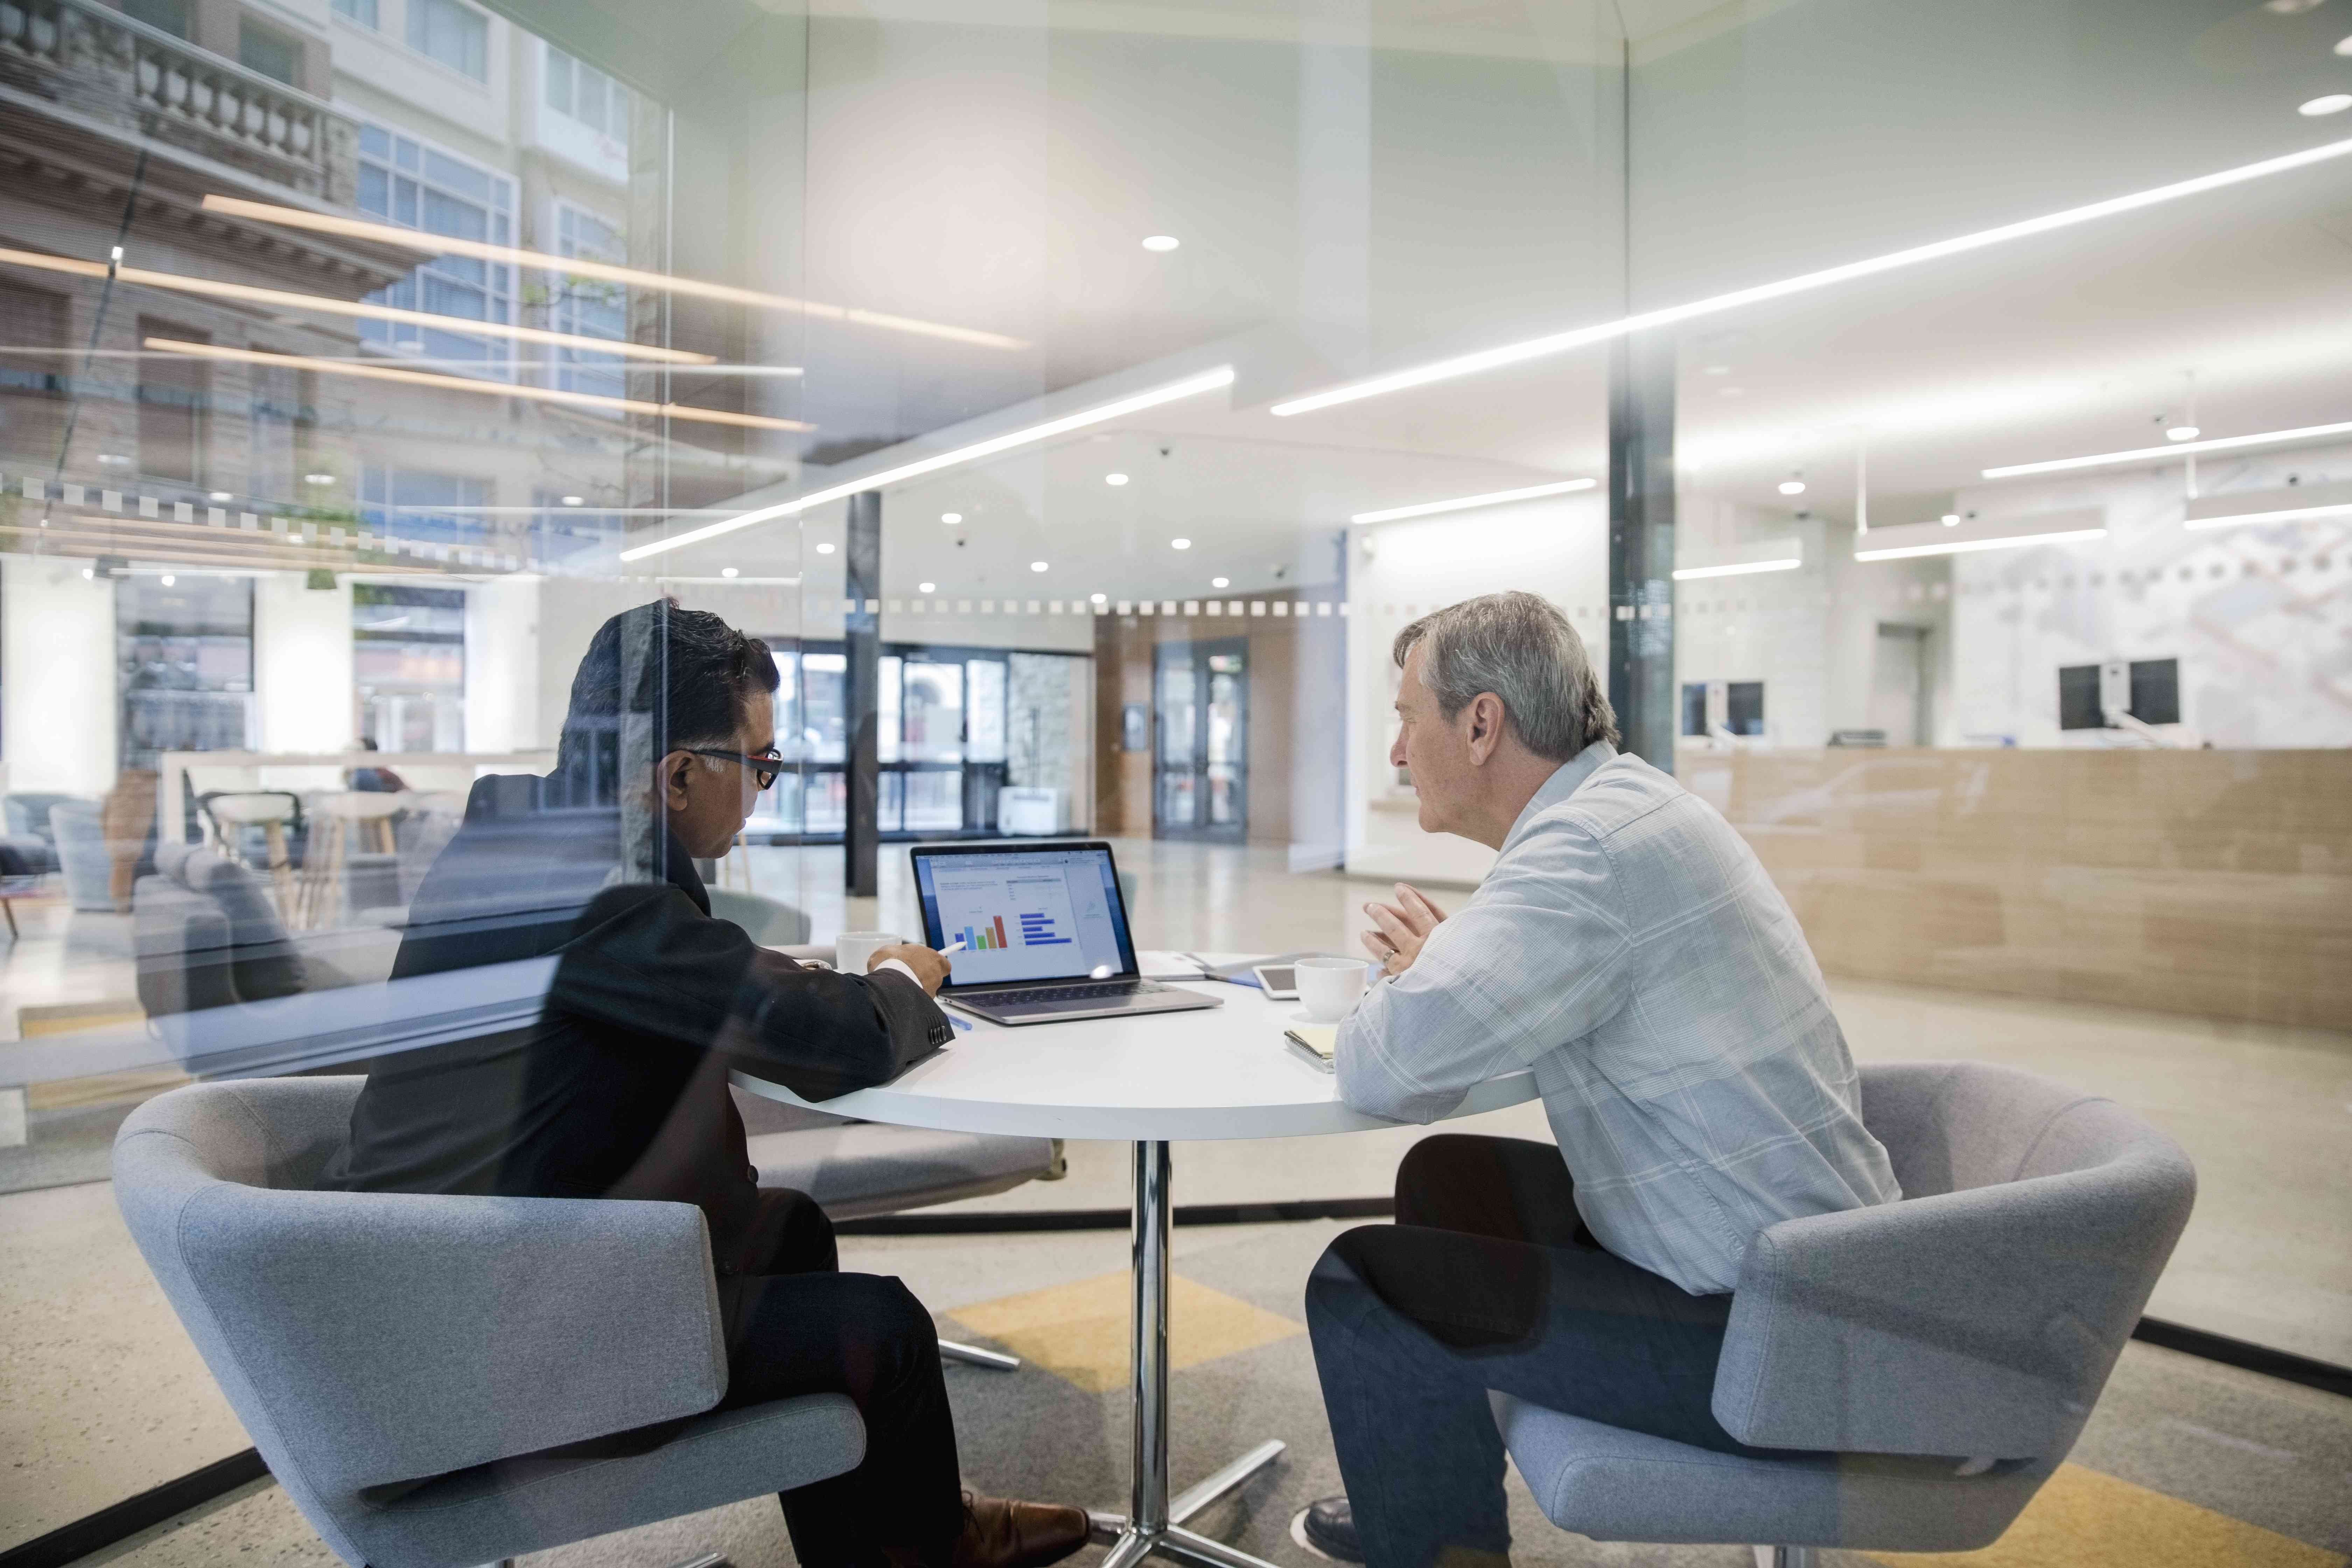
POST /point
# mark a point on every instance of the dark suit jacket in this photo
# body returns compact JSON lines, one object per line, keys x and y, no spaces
{"x":619,"y":1089}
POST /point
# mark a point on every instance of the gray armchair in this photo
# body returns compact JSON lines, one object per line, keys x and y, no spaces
{"x":426,"y":1376}
{"x":1935,"y":1359}
{"x":80,"y":839}
{"x":207,"y":936}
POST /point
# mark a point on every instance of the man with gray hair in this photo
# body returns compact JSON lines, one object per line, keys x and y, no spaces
{"x":1628,"y":948}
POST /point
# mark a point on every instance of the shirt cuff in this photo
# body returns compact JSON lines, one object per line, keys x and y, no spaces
{"x":900,"y":965}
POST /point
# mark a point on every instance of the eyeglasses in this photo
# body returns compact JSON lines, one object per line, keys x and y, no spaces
{"x":764,"y":767}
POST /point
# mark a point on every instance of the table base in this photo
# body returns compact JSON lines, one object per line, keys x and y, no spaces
{"x":1153,"y":1522}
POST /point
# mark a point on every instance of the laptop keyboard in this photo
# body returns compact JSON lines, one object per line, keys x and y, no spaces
{"x":1062,"y":993}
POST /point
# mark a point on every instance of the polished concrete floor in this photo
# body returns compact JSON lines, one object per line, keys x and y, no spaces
{"x":104,"y":1396}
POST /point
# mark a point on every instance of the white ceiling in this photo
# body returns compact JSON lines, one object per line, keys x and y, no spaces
{"x":1345,"y":211}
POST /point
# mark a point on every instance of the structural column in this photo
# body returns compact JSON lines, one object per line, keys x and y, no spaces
{"x":1642,"y":546}
{"x":861,"y":627}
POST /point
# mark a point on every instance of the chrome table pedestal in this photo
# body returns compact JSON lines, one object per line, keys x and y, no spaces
{"x":1154,"y":1523}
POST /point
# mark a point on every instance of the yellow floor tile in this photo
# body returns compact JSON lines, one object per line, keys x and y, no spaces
{"x":2084,"y":1519}
{"x":1079,"y":1331}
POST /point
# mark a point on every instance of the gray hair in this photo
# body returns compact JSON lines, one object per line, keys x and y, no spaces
{"x":1524,"y":652}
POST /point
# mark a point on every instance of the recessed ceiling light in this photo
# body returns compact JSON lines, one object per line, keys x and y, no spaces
{"x":1792,"y":487}
{"x":113,"y":460}
{"x":1180,"y":544}
{"x":2344,"y":45}
{"x":2326,"y":103}
{"x":167,"y":579}
{"x":574,"y":500}
{"x":927,"y":587}
{"x":222,"y":495}
{"x":1160,"y":242}
{"x":2291,"y":8}
{"x":2182,"y":433}
{"x":1719,"y":370}
{"x":951,"y":518}
{"x":727,"y":570}
{"x":1221,"y":582}
{"x":826,"y":549}
{"x":88,"y":575}
{"x":1099,"y":598}
{"x":1114,"y":478}
{"x":1037,"y":566}
{"x":318,"y":478}
{"x":1951,"y":519}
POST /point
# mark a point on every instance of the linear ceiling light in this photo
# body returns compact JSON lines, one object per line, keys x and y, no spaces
{"x":1560,"y":342}
{"x":1970,"y":546}
{"x":476,"y":385}
{"x":1207,"y":381}
{"x":291,"y":298}
{"x":581,"y":267}
{"x":1493,"y":497}
{"x":2287,"y":514}
{"x":1740,"y":569}
{"x":2171,"y":449}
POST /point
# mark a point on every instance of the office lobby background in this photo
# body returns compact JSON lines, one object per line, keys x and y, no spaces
{"x":1935,"y":418}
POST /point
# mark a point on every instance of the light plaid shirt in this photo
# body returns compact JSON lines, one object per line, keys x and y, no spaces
{"x":1629,"y":947}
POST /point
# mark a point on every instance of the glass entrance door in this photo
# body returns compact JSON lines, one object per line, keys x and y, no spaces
{"x":1200,"y":741}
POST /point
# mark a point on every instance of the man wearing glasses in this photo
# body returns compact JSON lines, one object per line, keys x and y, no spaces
{"x":618,"y":1090}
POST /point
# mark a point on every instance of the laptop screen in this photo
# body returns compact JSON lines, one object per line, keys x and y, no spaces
{"x":1024,"y":914}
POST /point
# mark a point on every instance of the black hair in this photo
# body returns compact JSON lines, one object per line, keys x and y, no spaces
{"x":685,"y":673}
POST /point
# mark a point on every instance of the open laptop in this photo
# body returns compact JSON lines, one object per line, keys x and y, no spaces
{"x":1045,"y":934}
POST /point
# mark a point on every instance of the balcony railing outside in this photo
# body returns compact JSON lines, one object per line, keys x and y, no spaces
{"x":104,"y":65}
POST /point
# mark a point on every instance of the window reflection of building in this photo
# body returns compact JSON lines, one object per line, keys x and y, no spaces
{"x":406,"y":503}
{"x":454,"y":33}
{"x":409,"y":663}
{"x":587,"y":307}
{"x":408,"y":183}
{"x":173,"y":398}
{"x":581,"y":92}
{"x":184,"y":663}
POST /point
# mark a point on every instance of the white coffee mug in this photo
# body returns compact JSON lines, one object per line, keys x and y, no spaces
{"x":1331,"y":986}
{"x":853,"y":950}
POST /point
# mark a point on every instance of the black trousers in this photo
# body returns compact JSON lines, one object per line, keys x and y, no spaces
{"x":795,"y":1324}
{"x":1489,"y":1281}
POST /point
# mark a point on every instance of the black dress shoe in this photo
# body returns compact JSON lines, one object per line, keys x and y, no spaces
{"x":1330,"y":1527}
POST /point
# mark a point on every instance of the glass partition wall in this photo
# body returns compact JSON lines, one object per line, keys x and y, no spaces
{"x":1931,"y":418}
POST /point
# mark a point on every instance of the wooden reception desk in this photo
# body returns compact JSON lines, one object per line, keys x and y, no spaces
{"x":2210,"y":882}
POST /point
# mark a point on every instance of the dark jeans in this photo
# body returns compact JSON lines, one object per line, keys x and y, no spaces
{"x":795,"y":1325}
{"x":1489,"y":1281}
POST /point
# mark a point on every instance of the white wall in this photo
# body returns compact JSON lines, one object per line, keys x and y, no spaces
{"x":59,"y":665}
{"x":1558,"y":548}
{"x":502,"y":667}
{"x":302,"y":664}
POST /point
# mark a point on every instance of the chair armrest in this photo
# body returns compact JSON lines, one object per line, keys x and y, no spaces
{"x":1980,"y":1323}
{"x":394,"y":1336}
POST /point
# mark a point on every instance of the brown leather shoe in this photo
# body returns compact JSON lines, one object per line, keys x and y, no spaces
{"x":1004,"y":1532}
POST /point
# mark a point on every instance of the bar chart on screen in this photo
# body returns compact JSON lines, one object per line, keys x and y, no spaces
{"x":1002,"y":912}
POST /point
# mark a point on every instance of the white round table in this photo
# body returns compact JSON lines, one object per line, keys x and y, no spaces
{"x":1152,"y":1080}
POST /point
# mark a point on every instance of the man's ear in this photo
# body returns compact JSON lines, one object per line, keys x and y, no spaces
{"x":1486,"y":725}
{"x":673,"y":769}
